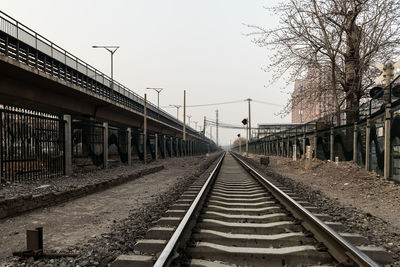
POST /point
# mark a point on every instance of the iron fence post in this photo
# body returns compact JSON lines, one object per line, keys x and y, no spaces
{"x":331,"y":145}
{"x":105,"y":145}
{"x":387,"y":149}
{"x":304,"y":143}
{"x":1,"y":144}
{"x":368,"y":144}
{"x":315,"y":141}
{"x":355,"y":137}
{"x":129,"y":148}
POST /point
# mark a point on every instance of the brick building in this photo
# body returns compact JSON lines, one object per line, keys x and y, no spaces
{"x":310,"y":100}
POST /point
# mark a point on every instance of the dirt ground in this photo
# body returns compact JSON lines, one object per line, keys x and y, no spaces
{"x":73,"y":223}
{"x":347,"y":183}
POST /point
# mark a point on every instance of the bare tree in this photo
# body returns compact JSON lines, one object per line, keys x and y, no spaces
{"x":236,"y":142}
{"x":345,"y":37}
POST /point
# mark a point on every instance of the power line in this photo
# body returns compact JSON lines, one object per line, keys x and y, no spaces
{"x":213,"y":104}
{"x":267,"y":103}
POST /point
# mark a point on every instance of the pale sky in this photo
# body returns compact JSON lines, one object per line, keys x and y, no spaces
{"x":177,"y":44}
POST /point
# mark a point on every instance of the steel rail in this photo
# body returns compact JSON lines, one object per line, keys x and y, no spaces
{"x":338,"y":247}
{"x":169,"y":248}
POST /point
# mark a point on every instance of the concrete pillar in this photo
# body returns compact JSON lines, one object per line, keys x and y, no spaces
{"x":177,"y":147}
{"x":171,"y":147}
{"x":368,"y":145}
{"x":129,"y":137}
{"x":156,"y":137}
{"x":165,"y":146}
{"x":288,"y":147}
{"x":105,"y":145}
{"x":355,"y":135}
{"x":68,"y":145}
{"x":387,"y":151}
{"x":144,"y":142}
{"x":332,"y":145}
{"x":304,"y":145}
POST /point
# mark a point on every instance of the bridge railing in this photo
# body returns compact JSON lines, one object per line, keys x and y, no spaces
{"x":39,"y":44}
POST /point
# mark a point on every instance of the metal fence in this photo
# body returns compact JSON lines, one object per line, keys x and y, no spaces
{"x":329,"y":138}
{"x":31,"y":144}
{"x":87,"y":143}
{"x":118,"y":144}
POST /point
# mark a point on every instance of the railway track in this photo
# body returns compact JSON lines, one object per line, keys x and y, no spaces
{"x":236,"y":217}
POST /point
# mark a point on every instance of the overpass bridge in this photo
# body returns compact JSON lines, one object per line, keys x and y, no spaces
{"x":43,"y":82}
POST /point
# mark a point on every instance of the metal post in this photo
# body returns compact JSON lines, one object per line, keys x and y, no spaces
{"x":304,"y":143}
{"x":184,"y":114}
{"x":368,"y":145}
{"x":145,"y":129}
{"x":247,"y":140}
{"x":105,"y":145}
{"x":249,"y":122}
{"x":156,"y":137}
{"x":331,"y":157}
{"x":177,"y":147}
{"x":67,"y":144}
{"x":129,"y":137}
{"x":217,"y":124}
{"x":355,"y":142}
{"x":387,"y":150}
{"x":315,"y":141}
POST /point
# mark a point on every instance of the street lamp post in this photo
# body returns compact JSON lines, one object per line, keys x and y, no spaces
{"x":112,"y":49}
{"x":189,"y":116}
{"x":158,"y":90}
{"x":177,"y":110}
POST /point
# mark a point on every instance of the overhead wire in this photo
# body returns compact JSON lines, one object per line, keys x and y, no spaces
{"x":229,"y":102}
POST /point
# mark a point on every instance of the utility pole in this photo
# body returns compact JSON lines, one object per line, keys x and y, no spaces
{"x":387,"y":95}
{"x":184,"y":115}
{"x":216,"y":113}
{"x":249,"y":119}
{"x":145,"y":130}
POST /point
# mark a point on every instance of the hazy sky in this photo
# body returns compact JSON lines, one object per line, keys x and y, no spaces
{"x":177,"y":44}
